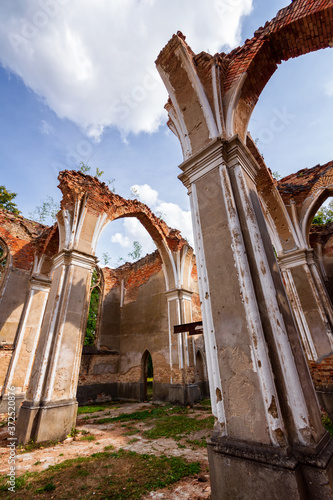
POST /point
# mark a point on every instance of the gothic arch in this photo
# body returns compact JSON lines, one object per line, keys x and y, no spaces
{"x":88,"y":207}
{"x":298,"y":29}
{"x":214,"y":96}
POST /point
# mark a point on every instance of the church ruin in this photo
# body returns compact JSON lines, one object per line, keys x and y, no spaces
{"x":263,"y":275}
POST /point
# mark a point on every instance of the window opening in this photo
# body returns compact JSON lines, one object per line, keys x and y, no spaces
{"x":93,"y":313}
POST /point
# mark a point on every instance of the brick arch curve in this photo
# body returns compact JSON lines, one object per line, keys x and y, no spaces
{"x":86,"y":197}
{"x":213,"y":97}
{"x":47,"y":246}
{"x":300,"y":28}
{"x":313,"y":203}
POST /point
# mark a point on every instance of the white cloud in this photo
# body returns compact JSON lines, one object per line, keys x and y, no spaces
{"x":177,"y":218}
{"x":147,"y":194}
{"x":129,"y":229}
{"x":123,"y":241}
{"x":93,"y":62}
{"x":171,"y":213}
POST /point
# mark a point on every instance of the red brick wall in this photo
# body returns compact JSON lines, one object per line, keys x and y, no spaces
{"x":20,"y":234}
{"x":322,"y":374}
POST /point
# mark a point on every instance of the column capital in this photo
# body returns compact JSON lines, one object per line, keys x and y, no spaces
{"x":296,"y":258}
{"x":40,"y":283}
{"x":231,"y":152}
{"x":76,"y":258}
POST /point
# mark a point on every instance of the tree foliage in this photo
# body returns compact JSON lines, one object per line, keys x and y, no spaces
{"x":136,"y":252}
{"x":90,"y":333}
{"x":46,"y":212}
{"x":324,"y":214}
{"x":150,"y":370}
{"x":6,"y":202}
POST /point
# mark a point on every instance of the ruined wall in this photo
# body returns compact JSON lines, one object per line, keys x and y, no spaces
{"x":133,"y":320}
{"x":19,"y":235}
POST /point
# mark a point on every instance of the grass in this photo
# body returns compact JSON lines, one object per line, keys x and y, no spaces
{"x":177,"y":426}
{"x":197,"y":443}
{"x":141,"y":415}
{"x":92,"y":408}
{"x":32,"y":446}
{"x":205,"y":402}
{"x":108,"y":475}
{"x":131,"y":431}
{"x":88,"y":437}
{"x":96,"y":407}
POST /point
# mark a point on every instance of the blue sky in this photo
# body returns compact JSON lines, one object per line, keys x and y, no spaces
{"x":77,"y":83}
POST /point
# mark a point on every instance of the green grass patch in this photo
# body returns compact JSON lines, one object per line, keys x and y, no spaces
{"x":156,"y":412}
{"x":32,"y":446}
{"x":206,"y":402}
{"x":117,"y":475}
{"x":177,"y":426}
{"x":88,"y":437}
{"x":91,"y":409}
{"x":197,"y":443}
{"x":131,"y":431}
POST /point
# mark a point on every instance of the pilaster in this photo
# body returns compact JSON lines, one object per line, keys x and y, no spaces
{"x":49,"y":410}
{"x":27,"y":339}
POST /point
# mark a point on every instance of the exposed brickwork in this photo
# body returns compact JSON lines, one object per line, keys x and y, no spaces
{"x":303,"y":26}
{"x":303,"y":183}
{"x":322,"y":234}
{"x":75,"y":185}
{"x":110,"y":279}
{"x":322,"y":374}
{"x":20,"y":235}
{"x":139,"y":273}
{"x":48,"y":242}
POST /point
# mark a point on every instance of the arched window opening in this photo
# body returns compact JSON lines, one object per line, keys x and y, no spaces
{"x":199,"y":368}
{"x":94,"y":307}
{"x":321,"y":240}
{"x":325,"y":213}
{"x":201,"y":375}
{"x":147,"y":376}
{"x":3,"y":260}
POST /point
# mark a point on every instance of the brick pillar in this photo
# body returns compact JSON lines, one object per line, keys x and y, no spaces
{"x":49,"y":411}
{"x":268,"y":439}
{"x":26,"y":340}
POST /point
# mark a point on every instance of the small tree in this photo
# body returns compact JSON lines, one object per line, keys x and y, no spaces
{"x":6,"y":202}
{"x":137,"y":250}
{"x":90,"y":334}
{"x":48,"y":209}
{"x":324,"y":215}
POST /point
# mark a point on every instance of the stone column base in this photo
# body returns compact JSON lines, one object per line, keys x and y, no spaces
{"x":251,"y":473}
{"x":184,"y":394}
{"x":48,"y":422}
{"x":19,"y":398}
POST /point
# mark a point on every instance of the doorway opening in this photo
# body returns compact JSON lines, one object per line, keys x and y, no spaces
{"x":148,"y":376}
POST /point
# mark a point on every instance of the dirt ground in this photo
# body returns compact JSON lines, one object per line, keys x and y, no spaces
{"x":93,"y":437}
